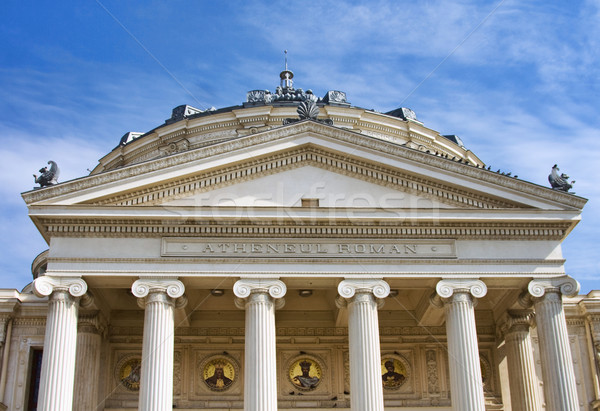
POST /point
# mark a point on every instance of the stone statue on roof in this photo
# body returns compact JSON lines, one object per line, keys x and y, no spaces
{"x":559,"y":182}
{"x":48,"y":177}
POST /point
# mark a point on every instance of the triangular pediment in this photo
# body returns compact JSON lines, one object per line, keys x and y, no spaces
{"x":305,"y":160}
{"x":284,"y":178}
{"x":307,"y":185}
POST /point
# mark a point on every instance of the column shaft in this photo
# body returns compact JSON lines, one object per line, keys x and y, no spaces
{"x":87,"y":369}
{"x":260,"y":298}
{"x":463,"y":354}
{"x":260,"y":371}
{"x":560,"y":389}
{"x":158,"y":297}
{"x":366,"y":389}
{"x":156,"y":387}
{"x":58,"y":362}
{"x":524,"y":392}
{"x":363,"y":297}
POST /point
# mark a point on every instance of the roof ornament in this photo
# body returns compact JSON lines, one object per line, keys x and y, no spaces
{"x":560,"y":182}
{"x":307,"y":110}
{"x":48,"y":177}
{"x":286,"y":93}
{"x":286,"y":76}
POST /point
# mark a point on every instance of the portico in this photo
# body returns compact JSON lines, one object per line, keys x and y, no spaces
{"x":249,"y":259}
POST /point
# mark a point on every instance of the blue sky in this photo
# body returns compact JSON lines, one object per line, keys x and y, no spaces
{"x":517,"y":81}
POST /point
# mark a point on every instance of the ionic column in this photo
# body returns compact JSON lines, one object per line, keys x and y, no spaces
{"x":260,"y":298}
{"x":363,"y":296}
{"x":87,"y":369}
{"x":60,"y":341}
{"x":524,"y":393}
{"x":560,"y":389}
{"x":463,"y":352}
{"x":158,"y":297}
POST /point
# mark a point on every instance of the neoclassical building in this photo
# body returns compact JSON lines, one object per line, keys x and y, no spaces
{"x":294,"y":252}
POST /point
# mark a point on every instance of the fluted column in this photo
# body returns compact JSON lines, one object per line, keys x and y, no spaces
{"x":524,"y":393}
{"x":60,"y":341}
{"x":560,"y":389}
{"x":260,"y":298}
{"x":466,"y":386}
{"x":89,"y":342}
{"x":363,"y":296}
{"x":158,"y":298}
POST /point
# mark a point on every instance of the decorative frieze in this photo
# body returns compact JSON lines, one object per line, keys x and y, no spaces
{"x":398,"y":229}
{"x":406,"y":331}
{"x":431,"y":367}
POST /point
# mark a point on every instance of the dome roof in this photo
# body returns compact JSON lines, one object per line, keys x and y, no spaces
{"x":189,"y":128}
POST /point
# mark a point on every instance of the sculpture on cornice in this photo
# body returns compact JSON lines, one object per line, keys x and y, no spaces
{"x":307,"y":110}
{"x":47,"y":177}
{"x":559,"y":182}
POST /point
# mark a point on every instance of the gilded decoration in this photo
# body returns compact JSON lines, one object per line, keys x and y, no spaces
{"x":219,"y":373}
{"x":305,"y":373}
{"x":129,"y":372}
{"x":395,"y":371}
{"x":486,"y":373}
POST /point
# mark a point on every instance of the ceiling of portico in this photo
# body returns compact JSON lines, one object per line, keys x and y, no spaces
{"x":408,"y":304}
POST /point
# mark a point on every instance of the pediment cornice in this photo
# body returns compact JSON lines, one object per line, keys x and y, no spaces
{"x":306,"y":155}
{"x":350,"y":138}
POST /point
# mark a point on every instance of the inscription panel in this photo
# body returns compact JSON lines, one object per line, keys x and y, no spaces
{"x":294,"y":248}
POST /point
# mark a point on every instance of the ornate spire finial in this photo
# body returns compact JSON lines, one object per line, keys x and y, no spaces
{"x":286,"y":76}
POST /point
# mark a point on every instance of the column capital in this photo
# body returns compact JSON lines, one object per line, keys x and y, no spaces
{"x":246,"y":286}
{"x":46,"y":285}
{"x":171,"y":286}
{"x":566,"y":285}
{"x":515,"y":320}
{"x":93,"y":323}
{"x":376,"y":286}
{"x":446,"y":288}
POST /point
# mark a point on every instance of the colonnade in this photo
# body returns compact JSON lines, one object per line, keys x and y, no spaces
{"x":362,"y":297}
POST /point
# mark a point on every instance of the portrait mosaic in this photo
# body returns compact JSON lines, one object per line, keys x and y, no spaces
{"x":394,"y":372}
{"x":305,"y":373}
{"x":129,"y":373}
{"x":219,"y":373}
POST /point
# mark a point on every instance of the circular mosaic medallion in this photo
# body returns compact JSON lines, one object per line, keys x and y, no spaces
{"x":305,"y":374}
{"x":219,"y":374}
{"x":130,"y":373}
{"x":393,"y":373}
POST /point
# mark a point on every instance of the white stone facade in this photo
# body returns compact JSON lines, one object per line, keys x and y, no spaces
{"x":258,"y":266}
